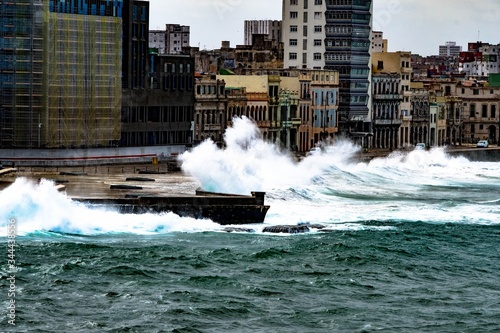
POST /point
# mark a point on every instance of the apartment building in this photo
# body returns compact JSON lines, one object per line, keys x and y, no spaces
{"x":334,"y":35}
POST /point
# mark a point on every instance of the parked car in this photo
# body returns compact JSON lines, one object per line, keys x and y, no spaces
{"x":420,"y":146}
{"x":313,"y":151}
{"x":482,"y":144}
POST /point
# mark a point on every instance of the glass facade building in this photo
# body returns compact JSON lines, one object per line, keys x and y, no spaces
{"x":112,"y":8}
{"x":347,"y":50}
{"x":60,"y":70}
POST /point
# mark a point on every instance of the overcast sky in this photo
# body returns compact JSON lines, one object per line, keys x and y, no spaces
{"x":419,"y":26}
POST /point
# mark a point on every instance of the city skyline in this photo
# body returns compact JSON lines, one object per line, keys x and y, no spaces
{"x":214,"y":21}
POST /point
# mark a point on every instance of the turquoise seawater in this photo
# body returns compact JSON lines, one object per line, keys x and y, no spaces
{"x":411,"y":244}
{"x":406,"y":277}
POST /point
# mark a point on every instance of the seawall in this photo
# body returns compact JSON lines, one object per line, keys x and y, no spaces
{"x":88,"y":156}
{"x":477,"y":154}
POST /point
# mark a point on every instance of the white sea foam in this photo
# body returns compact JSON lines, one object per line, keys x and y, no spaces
{"x":40,"y":207}
{"x":326,"y":188}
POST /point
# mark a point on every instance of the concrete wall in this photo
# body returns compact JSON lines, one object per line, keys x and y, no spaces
{"x":477,"y":154}
{"x":90,"y":156}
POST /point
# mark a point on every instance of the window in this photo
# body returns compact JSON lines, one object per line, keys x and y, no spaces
{"x":317,"y":42}
{"x":380,"y":64}
{"x":317,"y":56}
{"x":294,"y":15}
{"x":318,"y":28}
{"x":472,"y":112}
{"x":318,"y":2}
{"x":318,"y":15}
{"x":293,"y":42}
{"x":475,"y":91}
{"x":493,"y":111}
{"x":294,"y":2}
{"x":293,"y":28}
{"x":292,"y":56}
{"x":484,"y":114}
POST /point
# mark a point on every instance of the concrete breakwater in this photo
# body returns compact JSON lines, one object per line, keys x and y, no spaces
{"x":120,"y":189}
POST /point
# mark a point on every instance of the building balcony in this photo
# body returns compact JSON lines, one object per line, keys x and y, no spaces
{"x":294,"y":122}
{"x":211,"y":128}
{"x":388,"y":122}
{"x":388,"y":97}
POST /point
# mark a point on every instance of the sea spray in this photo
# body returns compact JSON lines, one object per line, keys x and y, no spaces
{"x":248,"y":163}
{"x":40,"y":207}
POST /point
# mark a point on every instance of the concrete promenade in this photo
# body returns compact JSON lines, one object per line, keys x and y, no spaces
{"x":87,"y":157}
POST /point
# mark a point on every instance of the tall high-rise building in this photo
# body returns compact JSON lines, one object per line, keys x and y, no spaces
{"x":135,"y":44}
{"x":334,"y":35}
{"x":60,"y":73}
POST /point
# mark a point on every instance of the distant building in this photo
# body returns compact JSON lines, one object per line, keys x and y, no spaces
{"x":157,"y":39}
{"x":60,"y":73}
{"x":172,"y":40}
{"x":450,"y":49}
{"x":240,"y":60}
{"x":379,"y":44}
{"x":481,"y":59}
{"x":270,"y":28}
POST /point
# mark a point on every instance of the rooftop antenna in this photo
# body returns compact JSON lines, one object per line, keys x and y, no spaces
{"x":478,"y":34}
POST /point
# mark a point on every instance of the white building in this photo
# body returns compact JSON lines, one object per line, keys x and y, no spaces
{"x":304,"y":33}
{"x":171,"y":40}
{"x":450,"y":49}
{"x":157,"y":40}
{"x":379,"y":44}
{"x":270,"y":28}
{"x":481,"y":61}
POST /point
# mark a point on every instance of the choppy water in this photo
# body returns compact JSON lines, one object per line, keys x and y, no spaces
{"x":412,"y":246}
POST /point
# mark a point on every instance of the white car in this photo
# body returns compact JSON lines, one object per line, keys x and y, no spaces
{"x":420,"y":146}
{"x":482,"y":144}
{"x":314,"y":151}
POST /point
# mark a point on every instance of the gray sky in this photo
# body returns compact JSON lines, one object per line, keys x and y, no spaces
{"x":419,"y":26}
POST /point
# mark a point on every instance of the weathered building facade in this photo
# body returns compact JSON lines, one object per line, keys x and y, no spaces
{"x":386,"y":99}
{"x":210,"y":115}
